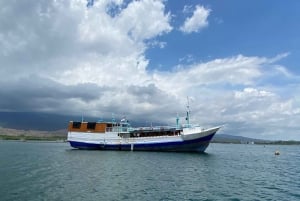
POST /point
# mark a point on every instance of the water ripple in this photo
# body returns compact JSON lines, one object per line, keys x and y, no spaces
{"x":53,"y":171}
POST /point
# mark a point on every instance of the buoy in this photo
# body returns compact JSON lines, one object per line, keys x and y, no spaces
{"x":277,"y":152}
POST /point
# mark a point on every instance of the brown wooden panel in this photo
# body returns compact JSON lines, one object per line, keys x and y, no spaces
{"x":100,"y":127}
{"x":82,"y":127}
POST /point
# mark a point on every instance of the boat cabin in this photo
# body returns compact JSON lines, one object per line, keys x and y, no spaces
{"x":97,"y":127}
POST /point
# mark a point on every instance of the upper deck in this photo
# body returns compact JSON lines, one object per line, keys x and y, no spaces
{"x":123,"y":129}
{"x":97,"y":127}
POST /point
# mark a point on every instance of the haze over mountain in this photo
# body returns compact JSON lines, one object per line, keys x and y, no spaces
{"x":33,"y":121}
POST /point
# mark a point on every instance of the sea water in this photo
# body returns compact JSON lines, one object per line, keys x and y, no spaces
{"x":54,"y":171}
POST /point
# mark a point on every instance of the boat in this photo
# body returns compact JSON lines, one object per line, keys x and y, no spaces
{"x":113,"y":135}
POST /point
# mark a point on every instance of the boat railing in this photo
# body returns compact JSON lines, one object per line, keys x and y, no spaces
{"x":190,"y":126}
{"x":129,"y":129}
{"x":118,"y":129}
{"x":161,"y":128}
{"x":154,"y":128}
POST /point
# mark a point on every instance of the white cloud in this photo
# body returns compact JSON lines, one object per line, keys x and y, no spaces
{"x":187,"y":59}
{"x":197,"y":21}
{"x":236,"y":70}
{"x":187,"y":9}
{"x":282,"y":70}
{"x":251,"y":92}
{"x":279,"y":57}
{"x":156,"y":43}
{"x":144,"y":20}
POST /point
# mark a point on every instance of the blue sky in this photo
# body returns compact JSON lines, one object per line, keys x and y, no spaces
{"x":235,"y":27}
{"x":237,"y":61}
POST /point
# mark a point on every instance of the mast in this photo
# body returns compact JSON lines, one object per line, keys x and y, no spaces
{"x":188,"y":112}
{"x":177,"y":122}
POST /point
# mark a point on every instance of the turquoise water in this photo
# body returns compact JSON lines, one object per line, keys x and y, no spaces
{"x":54,"y":171}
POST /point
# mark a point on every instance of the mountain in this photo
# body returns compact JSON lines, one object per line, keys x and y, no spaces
{"x":226,"y":138}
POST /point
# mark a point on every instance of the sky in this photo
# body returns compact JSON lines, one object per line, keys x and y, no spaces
{"x":236,"y":61}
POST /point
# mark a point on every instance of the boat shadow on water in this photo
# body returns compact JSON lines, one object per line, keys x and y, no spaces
{"x":190,"y":153}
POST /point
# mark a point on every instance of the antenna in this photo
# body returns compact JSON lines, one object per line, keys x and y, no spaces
{"x":113,"y":118}
{"x":177,"y":121}
{"x":188,"y":112}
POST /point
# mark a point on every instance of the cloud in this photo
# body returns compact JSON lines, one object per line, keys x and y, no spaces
{"x":40,"y":94}
{"x":250,"y":92}
{"x":50,"y":36}
{"x":197,"y":21}
{"x":234,"y":71}
{"x":155,"y":21}
{"x":262,"y":113}
{"x":60,"y":56}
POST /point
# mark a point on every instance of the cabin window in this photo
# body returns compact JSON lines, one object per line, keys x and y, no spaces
{"x":76,"y":124}
{"x":91,"y":125}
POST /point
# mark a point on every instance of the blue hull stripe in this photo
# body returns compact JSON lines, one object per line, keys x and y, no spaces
{"x":199,"y":145}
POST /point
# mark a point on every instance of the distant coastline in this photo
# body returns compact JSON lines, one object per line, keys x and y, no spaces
{"x":34,"y":135}
{"x":233,"y":139}
{"x":32,"y":138}
{"x":275,"y":142}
